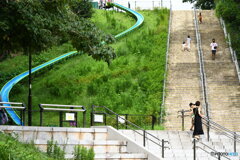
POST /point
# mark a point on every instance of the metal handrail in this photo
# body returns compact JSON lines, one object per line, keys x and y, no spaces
{"x":61,"y":109}
{"x":166,"y":64}
{"x":215,"y":151}
{"x":17,"y":106}
{"x":152,"y":138}
{"x":201,"y":63}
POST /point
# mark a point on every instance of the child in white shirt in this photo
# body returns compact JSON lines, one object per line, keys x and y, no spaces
{"x":213,"y":46}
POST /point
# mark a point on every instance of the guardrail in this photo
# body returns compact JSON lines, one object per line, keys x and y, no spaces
{"x":162,"y":108}
{"x":17,"y":106}
{"x":226,"y":132}
{"x":202,"y":70}
{"x":69,"y":109}
{"x":214,"y":126}
{"x":233,"y":53}
{"x":142,"y":120}
{"x":216,"y":154}
{"x":116,"y":117}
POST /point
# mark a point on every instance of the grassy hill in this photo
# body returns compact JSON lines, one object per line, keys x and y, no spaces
{"x":131,"y":84}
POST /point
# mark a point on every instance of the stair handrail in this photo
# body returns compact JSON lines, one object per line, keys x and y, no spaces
{"x":204,"y":87}
{"x":151,"y":137}
{"x":213,"y":150}
{"x":201,"y":63}
{"x":166,"y":64}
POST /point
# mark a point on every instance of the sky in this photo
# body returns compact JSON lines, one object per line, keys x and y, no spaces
{"x":148,"y":4}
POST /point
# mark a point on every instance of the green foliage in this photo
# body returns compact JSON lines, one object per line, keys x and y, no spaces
{"x":202,"y":4}
{"x":82,"y":8}
{"x":11,"y":149}
{"x":82,"y":153}
{"x":54,"y":151}
{"x":131,"y":84}
{"x":229,"y":11}
{"x":33,"y":26}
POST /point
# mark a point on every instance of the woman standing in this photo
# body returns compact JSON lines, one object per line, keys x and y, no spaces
{"x":197,"y":121}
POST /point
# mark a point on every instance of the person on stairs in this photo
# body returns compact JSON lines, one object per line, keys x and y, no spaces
{"x":192,"y":115}
{"x":185,"y":47}
{"x":200,"y":18}
{"x":213,"y":46}
{"x":188,"y":41}
{"x":197,"y":120}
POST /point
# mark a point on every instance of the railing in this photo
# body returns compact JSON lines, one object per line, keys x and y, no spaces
{"x":214,"y":126}
{"x":228,"y":133}
{"x":102,"y":110}
{"x":143,"y":4}
{"x":72,"y":109}
{"x":145,"y":121}
{"x":206,"y":120}
{"x":162,"y":108}
{"x":182,"y":115}
{"x":16,"y":106}
{"x":213,"y":152}
{"x":202,"y":70}
{"x":233,"y":53}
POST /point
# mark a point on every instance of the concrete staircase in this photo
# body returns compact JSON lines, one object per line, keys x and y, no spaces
{"x":222,"y":81}
{"x":183,"y":80}
{"x":108,"y":143}
{"x":181,"y":145}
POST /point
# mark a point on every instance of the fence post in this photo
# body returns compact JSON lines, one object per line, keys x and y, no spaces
{"x":92,"y":112}
{"x":60,"y":118}
{"x":24,"y":116}
{"x":235,"y":146}
{"x":182,"y":112}
{"x":105,"y":119}
{"x":194,"y":149}
{"x":144,"y":138}
{"x":76,"y":118}
{"x":84,"y":118}
{"x":162,"y":148}
{"x":92,"y":119}
{"x":117,"y":120}
{"x":126,"y":117}
{"x":208,"y":129}
{"x":153,"y":121}
{"x":41,"y":117}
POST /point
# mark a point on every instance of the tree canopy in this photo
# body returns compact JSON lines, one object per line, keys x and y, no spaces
{"x":229,"y":11}
{"x":203,"y":4}
{"x":35,"y":25}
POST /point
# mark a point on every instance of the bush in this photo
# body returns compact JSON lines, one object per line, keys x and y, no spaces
{"x":54,"y":151}
{"x":12,"y":149}
{"x":82,"y":153}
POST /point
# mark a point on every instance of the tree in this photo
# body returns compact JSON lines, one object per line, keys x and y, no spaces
{"x":35,"y":25}
{"x":203,"y":4}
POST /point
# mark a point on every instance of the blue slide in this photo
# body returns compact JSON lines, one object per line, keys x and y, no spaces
{"x":4,"y":93}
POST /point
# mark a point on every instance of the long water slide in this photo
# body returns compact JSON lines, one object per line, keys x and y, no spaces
{"x":4,"y":93}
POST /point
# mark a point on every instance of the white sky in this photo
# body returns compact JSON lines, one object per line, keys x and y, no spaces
{"x":147,"y":4}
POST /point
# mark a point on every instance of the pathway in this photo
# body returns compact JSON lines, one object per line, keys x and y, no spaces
{"x":183,"y":81}
{"x":222,"y":81}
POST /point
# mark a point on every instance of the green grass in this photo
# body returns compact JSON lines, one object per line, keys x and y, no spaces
{"x":132,"y":84}
{"x":12,"y":149}
{"x":112,"y":22}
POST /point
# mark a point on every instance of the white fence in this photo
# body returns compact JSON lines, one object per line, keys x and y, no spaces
{"x":144,"y":5}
